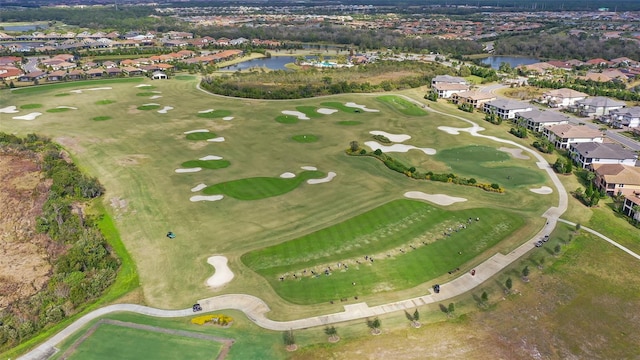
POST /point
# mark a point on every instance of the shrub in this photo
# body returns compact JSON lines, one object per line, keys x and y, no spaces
{"x":218,"y":319}
{"x":378,"y":152}
{"x":381,"y":138}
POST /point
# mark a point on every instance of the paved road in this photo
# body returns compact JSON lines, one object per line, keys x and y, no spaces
{"x":31,"y":65}
{"x":256,"y":309}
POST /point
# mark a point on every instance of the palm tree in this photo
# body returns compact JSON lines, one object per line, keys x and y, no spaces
{"x":374,"y":325}
{"x":332,"y":333}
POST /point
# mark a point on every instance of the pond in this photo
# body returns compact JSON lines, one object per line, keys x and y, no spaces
{"x":272,"y":63}
{"x":25,"y":27}
{"x":514,"y":61}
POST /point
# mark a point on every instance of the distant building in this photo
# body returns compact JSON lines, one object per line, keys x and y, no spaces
{"x":615,"y":178}
{"x":562,"y":136}
{"x":506,"y":109}
{"x":596,"y":106}
{"x":446,"y":90}
{"x":448,"y":79}
{"x":473,"y":98}
{"x":536,"y":120}
{"x":621,"y":118}
{"x":585,"y":154}
{"x":562,"y":98}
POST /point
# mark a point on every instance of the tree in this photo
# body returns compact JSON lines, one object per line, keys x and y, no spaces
{"x":451,"y":308}
{"x":557,"y":249}
{"x":332,"y":333}
{"x":509,"y":284}
{"x":354,"y":146}
{"x":525,"y":272}
{"x":374,"y":325}
{"x":541,"y":262}
{"x":578,"y":227}
{"x":484,"y":297}
{"x":289,"y":340}
{"x":416,"y":315}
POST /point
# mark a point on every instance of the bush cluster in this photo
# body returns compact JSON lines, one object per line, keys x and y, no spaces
{"x":218,"y":319}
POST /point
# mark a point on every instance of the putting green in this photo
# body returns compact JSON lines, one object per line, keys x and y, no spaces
{"x":101,"y":118}
{"x":342,"y":107}
{"x":307,"y":138}
{"x":215,"y":114}
{"x":260,"y":187}
{"x":380,"y":233}
{"x":58,"y":110}
{"x":201,"y":136}
{"x":309,"y":111}
{"x":402,"y":105}
{"x":481,"y":162}
{"x":148,"y":107}
{"x":287,"y":119}
{"x":146,"y":93}
{"x":206,"y":164}
{"x":30,"y":106}
{"x":105,"y":102}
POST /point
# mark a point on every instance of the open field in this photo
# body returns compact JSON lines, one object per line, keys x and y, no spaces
{"x":135,"y":153}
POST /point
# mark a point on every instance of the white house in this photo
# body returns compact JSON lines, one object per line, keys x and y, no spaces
{"x":561,"y":136}
{"x":157,"y":75}
{"x":620,"y":118}
{"x":616,"y":178}
{"x":535,"y":120}
{"x":562,"y":98}
{"x":448,"y":79}
{"x":585,"y":154}
{"x":446,"y":90}
{"x":597,"y":106}
{"x":506,"y":109}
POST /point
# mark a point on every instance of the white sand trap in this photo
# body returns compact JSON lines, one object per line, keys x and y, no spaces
{"x":361,"y":107}
{"x":196,"y":131}
{"x":196,"y":198}
{"x":450,"y":130}
{"x":165,"y":109}
{"x":544,"y":190}
{"x":150,"y":104}
{"x":227,"y":118}
{"x":66,"y":107}
{"x":189,"y":170}
{"x":198,"y":187}
{"x":157,"y":92}
{"x":287,"y":175}
{"x":325,"y":111}
{"x":29,"y":117}
{"x":222,"y":273}
{"x":440,"y":199}
{"x":211,"y":157}
{"x":205,"y":111}
{"x":310,"y":168}
{"x":392,"y":137}
{"x":143,"y":85}
{"x":516,"y":153}
{"x":326,"y":179}
{"x":300,"y":115}
{"x":79,"y":91}
{"x":155,"y":97}
{"x":218,"y":139}
{"x":9,"y":110}
{"x":398,"y":148}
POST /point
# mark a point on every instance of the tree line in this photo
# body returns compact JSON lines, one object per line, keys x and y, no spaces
{"x":84,"y":269}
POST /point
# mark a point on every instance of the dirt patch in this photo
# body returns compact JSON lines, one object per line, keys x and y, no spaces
{"x":131,"y":160}
{"x":71,"y":144}
{"x":132,"y":109}
{"x":24,"y":253}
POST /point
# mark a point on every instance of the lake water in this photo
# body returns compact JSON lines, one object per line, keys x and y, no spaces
{"x":514,"y":61}
{"x":272,"y":63}
{"x":27,"y":27}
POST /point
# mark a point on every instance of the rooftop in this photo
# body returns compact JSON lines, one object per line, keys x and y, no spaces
{"x":575,"y":131}
{"x":603,"y":151}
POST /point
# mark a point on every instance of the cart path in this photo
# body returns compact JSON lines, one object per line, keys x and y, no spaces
{"x":256,"y":309}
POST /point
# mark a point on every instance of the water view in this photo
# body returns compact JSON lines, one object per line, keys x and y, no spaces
{"x":273,"y":63}
{"x":514,"y":61}
{"x":26,"y":27}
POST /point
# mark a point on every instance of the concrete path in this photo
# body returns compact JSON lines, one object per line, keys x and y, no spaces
{"x":604,"y":238}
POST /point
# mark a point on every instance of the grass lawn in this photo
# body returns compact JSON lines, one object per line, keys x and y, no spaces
{"x":342,"y":107}
{"x":402,"y":105}
{"x":105,"y":102}
{"x":73,"y":84}
{"x":306,"y":138}
{"x":215,"y":114}
{"x":185,"y":77}
{"x":287,"y":119}
{"x":112,"y":341}
{"x":206,"y":164}
{"x":260,"y":187}
{"x":30,"y":106}
{"x":101,"y":118}
{"x":148,"y":107}
{"x":58,"y":110}
{"x":146,"y":93}
{"x":201,"y":136}
{"x":349,"y":122}
{"x":310,"y":111}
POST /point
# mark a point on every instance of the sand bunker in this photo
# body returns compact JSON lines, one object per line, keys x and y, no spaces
{"x":157,"y":92}
{"x":326,"y":179}
{"x":287,"y":175}
{"x":516,"y":153}
{"x":222,"y":273}
{"x":392,"y":137}
{"x":79,"y":91}
{"x":66,"y":107}
{"x":440,"y":199}
{"x":165,"y":109}
{"x":310,"y":168}
{"x":211,"y":157}
{"x":196,"y":131}
{"x":544,"y":190}
{"x":227,"y":118}
{"x":155,"y":97}
{"x":325,"y":111}
{"x":397,"y":148}
{"x":300,"y":115}
{"x":9,"y":110}
{"x":450,"y":130}
{"x":218,"y":139}
{"x":197,"y":198}
{"x":361,"y":107}
{"x":150,"y":104}
{"x":189,"y":170}
{"x":143,"y":85}
{"x":30,"y":116}
{"x":205,"y":111}
{"x":198,"y":187}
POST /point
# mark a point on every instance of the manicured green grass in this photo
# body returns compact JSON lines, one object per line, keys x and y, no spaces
{"x":380,"y":233}
{"x":148,"y":107}
{"x":307,"y":138}
{"x":185,"y":77}
{"x":62,"y":94}
{"x":260,"y":187}
{"x":58,"y":110}
{"x":206,"y":164}
{"x":349,"y":122}
{"x":402,"y":105}
{"x":73,"y":84}
{"x":287,"y":119}
{"x":482,"y":162}
{"x":111,"y":341}
{"x":342,"y":107}
{"x":215,"y":114}
{"x":101,"y":118}
{"x":201,"y":136}
{"x":310,"y":111}
{"x":30,"y":106}
{"x":105,"y":102}
{"x":146,"y":93}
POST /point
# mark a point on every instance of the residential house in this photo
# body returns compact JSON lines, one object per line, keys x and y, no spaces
{"x":132,"y":71}
{"x":157,"y":75}
{"x":585,"y":154}
{"x":109,"y":64}
{"x":446,"y":90}
{"x":535,"y":120}
{"x":474,"y":98}
{"x":506,"y":109}
{"x":631,"y":206}
{"x":562,"y":98}
{"x":76,"y":74}
{"x":615,"y":178}
{"x":32,"y":76}
{"x":621,"y":118}
{"x":57,"y":75}
{"x":8,"y":73}
{"x":624,"y":61}
{"x":539,"y":68}
{"x":596,"y":106}
{"x":562,"y":136}
{"x":94,"y":73}
{"x":448,"y":79}
{"x":113,"y":72}
{"x":65,"y":65}
{"x":598,"y":62}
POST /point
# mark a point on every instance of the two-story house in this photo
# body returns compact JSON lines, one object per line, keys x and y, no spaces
{"x":448,"y":79}
{"x":446,"y":90}
{"x":631,"y":205}
{"x":473,"y":98}
{"x":535,"y":120}
{"x":561,"y":136}
{"x":506,"y":109}
{"x":615,"y":178}
{"x":596,"y":106}
{"x":562,"y":98}
{"x":621,"y":118}
{"x":585,"y":154}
